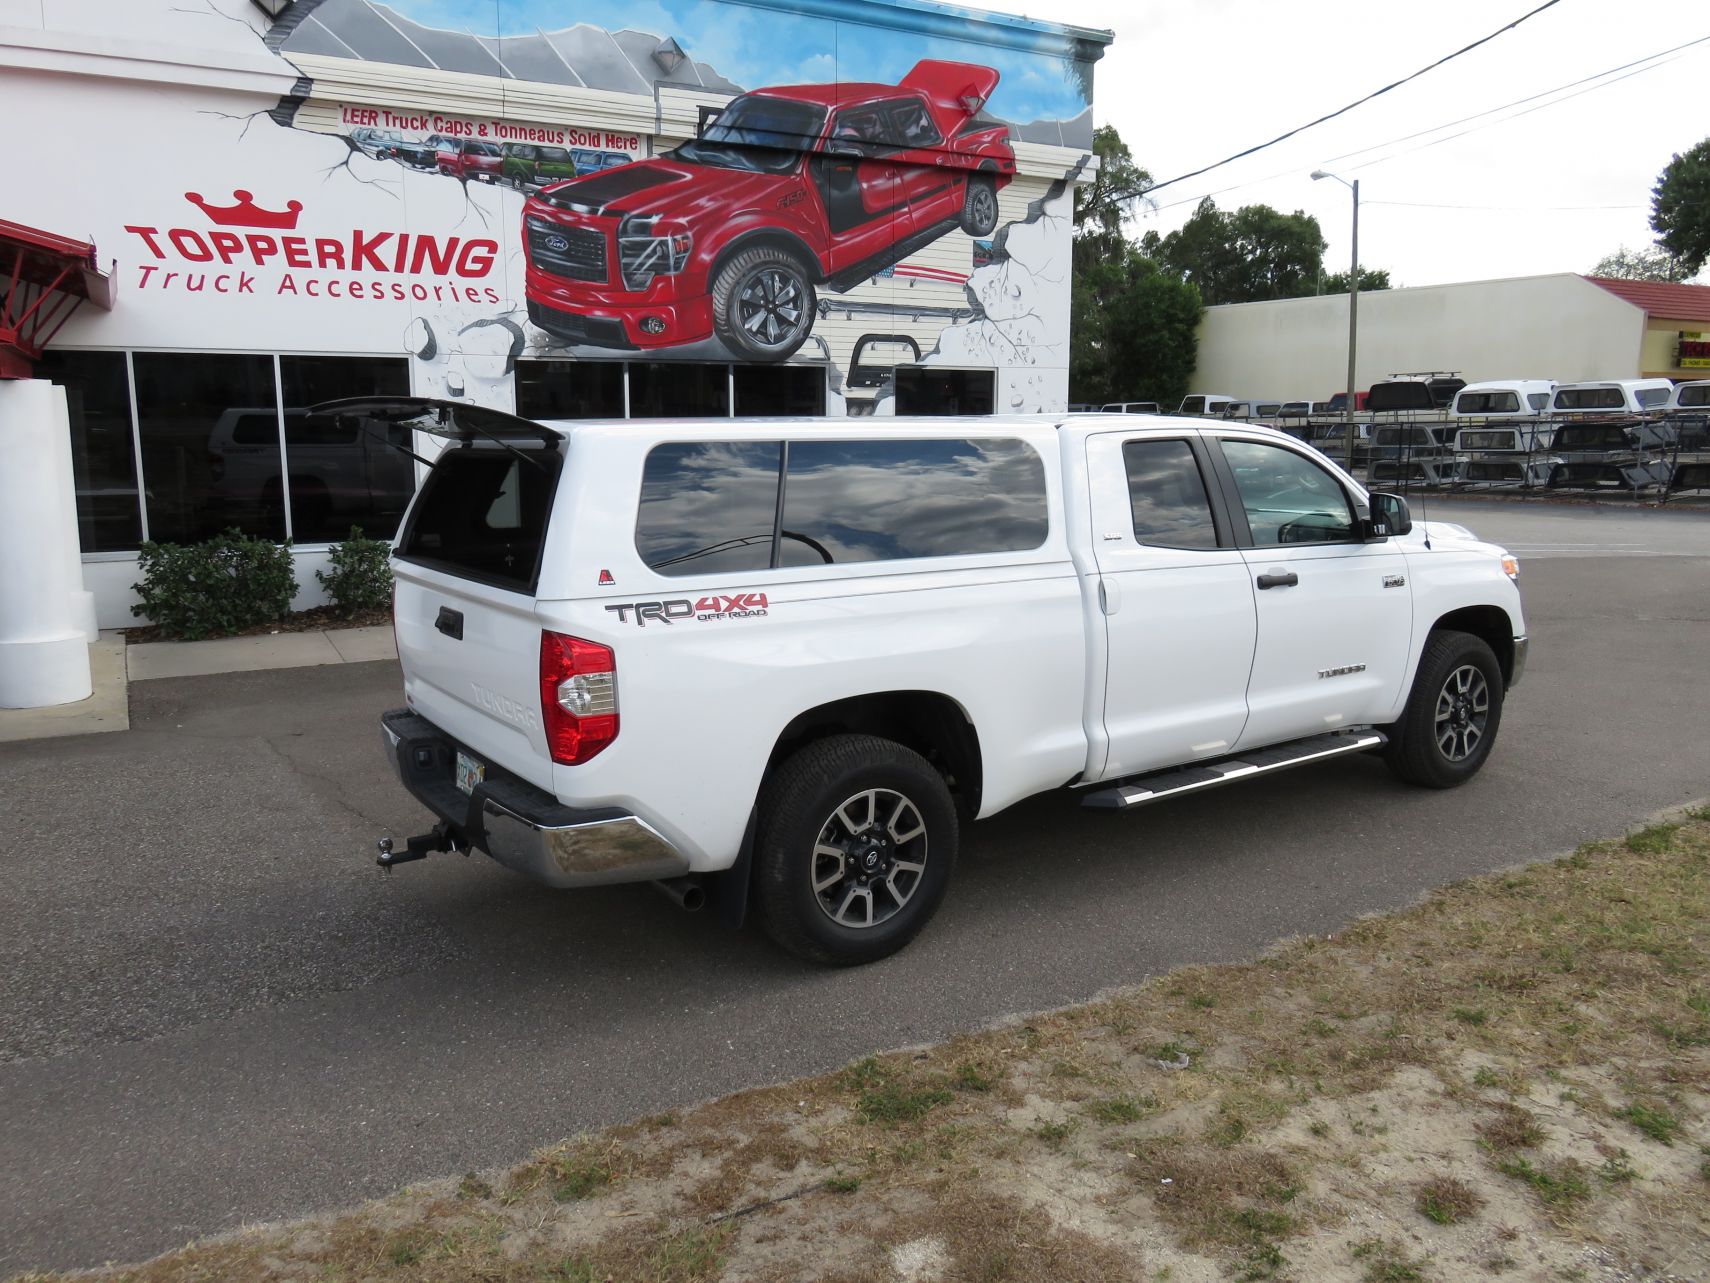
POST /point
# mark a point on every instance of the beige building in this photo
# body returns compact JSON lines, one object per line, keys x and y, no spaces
{"x":1565,"y":327}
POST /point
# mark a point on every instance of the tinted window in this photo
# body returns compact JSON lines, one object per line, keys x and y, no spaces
{"x":886,"y":500}
{"x":925,"y":389}
{"x":1167,"y":495}
{"x":1405,"y":395}
{"x":1589,"y":399}
{"x":200,"y":479}
{"x":1487,"y":403}
{"x":570,"y":389}
{"x":708,"y":506}
{"x":1537,"y":400}
{"x":345,"y":470}
{"x":678,"y":390}
{"x":780,"y":389}
{"x":912,"y":127}
{"x":1288,"y":498}
{"x":483,"y":514}
{"x":1649,"y":397}
{"x":103,"y":462}
{"x":1695,"y":395}
{"x":1193,"y":405}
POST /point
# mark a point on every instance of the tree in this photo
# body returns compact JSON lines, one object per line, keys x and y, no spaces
{"x":1105,"y":204}
{"x":1134,"y":334}
{"x":1680,"y":208}
{"x":1371,"y":278}
{"x":1133,"y":327}
{"x":1653,"y":263}
{"x":1254,"y":253}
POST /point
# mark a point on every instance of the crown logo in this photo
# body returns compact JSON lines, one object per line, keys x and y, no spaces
{"x":246,"y":213}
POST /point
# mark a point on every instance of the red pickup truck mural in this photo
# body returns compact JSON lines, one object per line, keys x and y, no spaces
{"x":784,"y":192}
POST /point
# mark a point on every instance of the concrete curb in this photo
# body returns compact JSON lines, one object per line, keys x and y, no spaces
{"x":148,"y":661}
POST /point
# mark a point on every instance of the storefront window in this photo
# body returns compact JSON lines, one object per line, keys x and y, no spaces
{"x":209,"y":426}
{"x":103,"y":462}
{"x":780,"y":389}
{"x":926,"y":389}
{"x":344,"y":469}
{"x":570,"y":389}
{"x":678,"y":389}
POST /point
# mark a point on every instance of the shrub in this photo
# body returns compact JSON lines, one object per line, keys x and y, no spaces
{"x":216,"y":587}
{"x":361,"y":576}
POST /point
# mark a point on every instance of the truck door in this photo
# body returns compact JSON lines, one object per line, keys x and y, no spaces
{"x":1335,"y":613}
{"x":1178,"y":603}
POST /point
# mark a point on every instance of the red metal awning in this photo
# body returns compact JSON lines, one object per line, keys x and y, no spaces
{"x":43,"y":279}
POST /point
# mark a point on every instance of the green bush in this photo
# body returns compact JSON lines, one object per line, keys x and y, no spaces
{"x":361,"y":576}
{"x":215,"y":588}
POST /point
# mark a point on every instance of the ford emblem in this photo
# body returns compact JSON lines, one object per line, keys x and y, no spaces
{"x":557,"y":243}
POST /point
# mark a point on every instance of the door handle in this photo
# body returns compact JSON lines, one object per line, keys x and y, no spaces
{"x":1286,"y":580}
{"x":450,"y":622}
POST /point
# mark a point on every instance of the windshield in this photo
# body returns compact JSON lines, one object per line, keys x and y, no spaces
{"x":760,"y":134}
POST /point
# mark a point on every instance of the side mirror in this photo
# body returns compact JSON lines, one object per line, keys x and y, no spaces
{"x":1389,"y":516}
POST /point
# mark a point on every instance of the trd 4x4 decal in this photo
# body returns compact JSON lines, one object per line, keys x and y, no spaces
{"x":717,"y":606}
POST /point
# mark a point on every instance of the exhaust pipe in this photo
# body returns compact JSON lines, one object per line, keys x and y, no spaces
{"x":686,"y":893}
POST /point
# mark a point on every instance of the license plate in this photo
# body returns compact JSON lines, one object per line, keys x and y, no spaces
{"x":469,"y":772}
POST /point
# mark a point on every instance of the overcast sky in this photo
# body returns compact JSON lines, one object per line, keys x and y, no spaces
{"x":1188,"y":82}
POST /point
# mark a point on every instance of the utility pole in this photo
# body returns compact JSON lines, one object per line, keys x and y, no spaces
{"x":1353,"y":311}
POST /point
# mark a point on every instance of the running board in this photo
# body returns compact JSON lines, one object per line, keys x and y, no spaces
{"x":1141,"y":789}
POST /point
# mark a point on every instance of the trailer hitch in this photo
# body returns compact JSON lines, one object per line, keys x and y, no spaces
{"x":442,"y":837}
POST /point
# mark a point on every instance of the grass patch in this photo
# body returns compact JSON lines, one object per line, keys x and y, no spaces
{"x":1509,"y":1128}
{"x":1557,"y":1184}
{"x":1653,"y":839}
{"x":969,"y":1078}
{"x":1447,"y":1201}
{"x":842,"y":1184}
{"x":890,"y":1103}
{"x":1122,"y":1109}
{"x":1387,"y":1262}
{"x":1653,"y":1120}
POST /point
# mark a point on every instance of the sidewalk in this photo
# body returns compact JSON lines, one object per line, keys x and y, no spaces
{"x":113,"y":665}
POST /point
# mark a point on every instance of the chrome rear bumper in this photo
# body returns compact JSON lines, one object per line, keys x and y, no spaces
{"x":521,"y":826}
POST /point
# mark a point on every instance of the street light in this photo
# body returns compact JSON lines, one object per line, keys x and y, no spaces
{"x":1353,"y":303}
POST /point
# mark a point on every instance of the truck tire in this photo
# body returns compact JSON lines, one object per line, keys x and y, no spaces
{"x":856,"y":844}
{"x":980,"y":207}
{"x":763,"y":304}
{"x":1452,"y":713}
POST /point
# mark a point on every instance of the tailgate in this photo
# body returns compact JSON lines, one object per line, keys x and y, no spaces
{"x":466,"y":568}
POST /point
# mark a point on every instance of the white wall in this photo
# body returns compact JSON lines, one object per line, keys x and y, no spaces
{"x":110,"y":576}
{"x":1558,"y":327}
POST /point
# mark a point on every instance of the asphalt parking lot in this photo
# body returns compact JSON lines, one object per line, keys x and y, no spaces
{"x":215,"y":1010}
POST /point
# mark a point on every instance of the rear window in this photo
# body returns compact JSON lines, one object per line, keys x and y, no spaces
{"x":1590,"y":399}
{"x":482,"y":515}
{"x":1487,"y":403}
{"x":1695,"y":396}
{"x":714,"y":506}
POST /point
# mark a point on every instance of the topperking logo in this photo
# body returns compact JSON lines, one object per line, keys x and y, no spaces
{"x":254,"y":250}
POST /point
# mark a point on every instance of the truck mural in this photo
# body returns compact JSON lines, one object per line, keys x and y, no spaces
{"x":782,"y":192}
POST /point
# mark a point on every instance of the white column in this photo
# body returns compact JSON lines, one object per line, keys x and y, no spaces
{"x":44,"y":612}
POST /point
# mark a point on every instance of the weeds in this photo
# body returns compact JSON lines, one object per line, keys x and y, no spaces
{"x":1556,"y":1184}
{"x":1447,"y":1201}
{"x":1652,"y":1120}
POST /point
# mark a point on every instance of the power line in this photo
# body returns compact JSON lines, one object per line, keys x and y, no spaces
{"x":1206,"y":169}
{"x":1520,"y":102}
{"x":1583,"y":80}
{"x":1447,"y":138}
{"x":1518,"y":209}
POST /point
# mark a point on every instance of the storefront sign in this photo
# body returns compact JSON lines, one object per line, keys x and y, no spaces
{"x":342,"y":266}
{"x":1694,"y":351}
{"x":399,"y":121}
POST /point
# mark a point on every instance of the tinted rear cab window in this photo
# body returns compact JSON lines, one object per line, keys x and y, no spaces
{"x":482,"y":515}
{"x":714,"y":505}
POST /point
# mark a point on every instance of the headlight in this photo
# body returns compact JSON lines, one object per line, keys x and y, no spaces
{"x":650,"y":246}
{"x":1511,"y":567}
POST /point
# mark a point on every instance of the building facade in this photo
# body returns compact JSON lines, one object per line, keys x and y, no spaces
{"x":1564,"y":327}
{"x":560,"y":208}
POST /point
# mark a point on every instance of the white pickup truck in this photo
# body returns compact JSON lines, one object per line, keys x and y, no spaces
{"x":776,"y":664}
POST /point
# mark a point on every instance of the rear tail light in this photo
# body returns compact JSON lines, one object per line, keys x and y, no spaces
{"x":578,"y":697}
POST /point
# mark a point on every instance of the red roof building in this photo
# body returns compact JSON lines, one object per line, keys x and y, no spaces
{"x":1676,"y":342}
